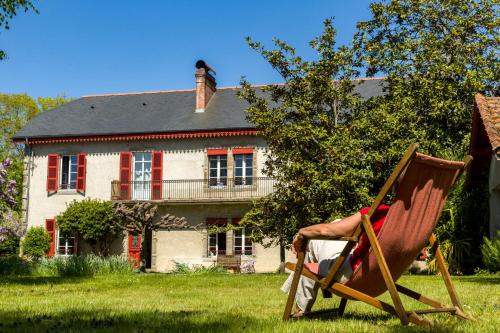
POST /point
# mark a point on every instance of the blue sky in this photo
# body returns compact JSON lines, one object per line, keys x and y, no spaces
{"x":76,"y":48}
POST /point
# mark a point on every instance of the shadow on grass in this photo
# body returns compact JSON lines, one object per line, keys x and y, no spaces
{"x":40,"y":280}
{"x":437,"y":328}
{"x":331,"y":315}
{"x":105,"y":320}
{"x":491,"y":279}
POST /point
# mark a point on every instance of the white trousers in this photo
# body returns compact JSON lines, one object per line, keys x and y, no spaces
{"x":324,"y":253}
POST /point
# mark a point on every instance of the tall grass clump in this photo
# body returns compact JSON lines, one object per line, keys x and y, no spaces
{"x":88,"y":265}
{"x":182,"y":268}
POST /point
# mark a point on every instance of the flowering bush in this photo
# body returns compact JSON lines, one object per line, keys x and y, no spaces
{"x":11,"y":225}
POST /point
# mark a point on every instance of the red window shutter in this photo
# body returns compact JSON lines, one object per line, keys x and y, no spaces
{"x":50,"y":226}
{"x":125,"y":172}
{"x":243,"y":150}
{"x":216,"y":151}
{"x":52,"y":172}
{"x":157,"y":170}
{"x":81,"y":172}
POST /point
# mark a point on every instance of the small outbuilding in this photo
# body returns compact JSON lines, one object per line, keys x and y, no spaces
{"x":485,"y":148}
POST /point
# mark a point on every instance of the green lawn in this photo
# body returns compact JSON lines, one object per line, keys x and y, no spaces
{"x":213,"y":303}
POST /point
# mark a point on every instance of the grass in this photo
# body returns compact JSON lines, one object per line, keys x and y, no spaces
{"x":213,"y":303}
{"x":88,"y":265}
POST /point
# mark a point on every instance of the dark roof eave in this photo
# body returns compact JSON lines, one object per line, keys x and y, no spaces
{"x":241,"y":131}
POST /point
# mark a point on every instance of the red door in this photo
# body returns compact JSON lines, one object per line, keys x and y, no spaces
{"x":134,"y":248}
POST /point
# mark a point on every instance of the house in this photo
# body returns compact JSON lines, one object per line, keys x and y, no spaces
{"x":485,"y":149}
{"x":190,"y":151}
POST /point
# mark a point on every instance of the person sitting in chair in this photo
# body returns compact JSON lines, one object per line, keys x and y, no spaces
{"x":321,"y":254}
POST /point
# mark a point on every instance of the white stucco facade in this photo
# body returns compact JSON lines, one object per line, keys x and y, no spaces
{"x":183,"y":159}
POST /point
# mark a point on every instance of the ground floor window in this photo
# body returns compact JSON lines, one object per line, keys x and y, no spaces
{"x":242,"y":242}
{"x":217,"y":244}
{"x":66,"y":246}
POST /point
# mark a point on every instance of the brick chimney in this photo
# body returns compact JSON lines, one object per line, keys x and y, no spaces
{"x":205,"y":85}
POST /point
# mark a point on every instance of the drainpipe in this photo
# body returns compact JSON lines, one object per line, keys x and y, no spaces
{"x":28,"y":181}
{"x":26,"y":188}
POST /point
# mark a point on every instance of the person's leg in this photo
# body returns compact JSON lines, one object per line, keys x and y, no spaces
{"x":317,"y":251}
{"x":307,"y":288}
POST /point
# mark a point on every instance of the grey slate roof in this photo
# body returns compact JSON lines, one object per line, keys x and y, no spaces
{"x":158,"y":112}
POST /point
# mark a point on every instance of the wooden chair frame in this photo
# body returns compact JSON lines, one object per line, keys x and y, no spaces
{"x":329,"y":285}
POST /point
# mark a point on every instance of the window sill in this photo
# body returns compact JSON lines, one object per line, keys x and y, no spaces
{"x":68,"y":192}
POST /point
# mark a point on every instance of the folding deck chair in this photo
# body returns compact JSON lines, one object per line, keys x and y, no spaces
{"x":408,"y":228}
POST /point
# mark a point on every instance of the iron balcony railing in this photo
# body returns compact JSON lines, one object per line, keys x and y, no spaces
{"x":239,"y":189}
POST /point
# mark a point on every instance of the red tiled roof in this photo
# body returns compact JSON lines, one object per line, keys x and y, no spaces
{"x":489,"y":110}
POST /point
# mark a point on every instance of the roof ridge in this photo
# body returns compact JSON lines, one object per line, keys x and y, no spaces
{"x":221,"y":88}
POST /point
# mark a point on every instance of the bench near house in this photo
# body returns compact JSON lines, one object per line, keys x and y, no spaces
{"x":190,"y":151}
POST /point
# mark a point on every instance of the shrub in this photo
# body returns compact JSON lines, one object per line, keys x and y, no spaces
{"x":93,"y":220}
{"x":490,"y":249}
{"x":14,"y":265}
{"x":9,"y":246}
{"x":36,"y":243}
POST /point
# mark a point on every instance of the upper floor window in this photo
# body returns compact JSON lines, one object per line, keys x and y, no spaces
{"x":69,"y":172}
{"x":243,"y":169}
{"x":217,"y":175}
{"x":66,"y":172}
{"x":142,"y":176}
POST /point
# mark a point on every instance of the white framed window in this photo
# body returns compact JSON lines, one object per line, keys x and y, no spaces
{"x":65,"y":245}
{"x":217,"y":173}
{"x":217,"y":244}
{"x":69,"y":172}
{"x":241,"y":242}
{"x":243,"y":169}
{"x":142,"y":175}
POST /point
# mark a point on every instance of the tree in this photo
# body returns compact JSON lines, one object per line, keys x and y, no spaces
{"x":141,"y":217}
{"x":436,"y":55}
{"x":312,"y":154}
{"x":9,"y":9}
{"x":93,"y":220}
{"x":16,"y":110}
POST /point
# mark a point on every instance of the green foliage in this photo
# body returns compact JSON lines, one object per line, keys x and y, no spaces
{"x":9,"y":246}
{"x":436,"y":55}
{"x":36,"y":243}
{"x":89,"y":265}
{"x":16,"y":110}
{"x":182,"y":268}
{"x":490,"y":249}
{"x":313,"y":154}
{"x":93,"y":220}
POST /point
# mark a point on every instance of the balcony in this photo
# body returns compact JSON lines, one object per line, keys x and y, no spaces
{"x":193,"y":190}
